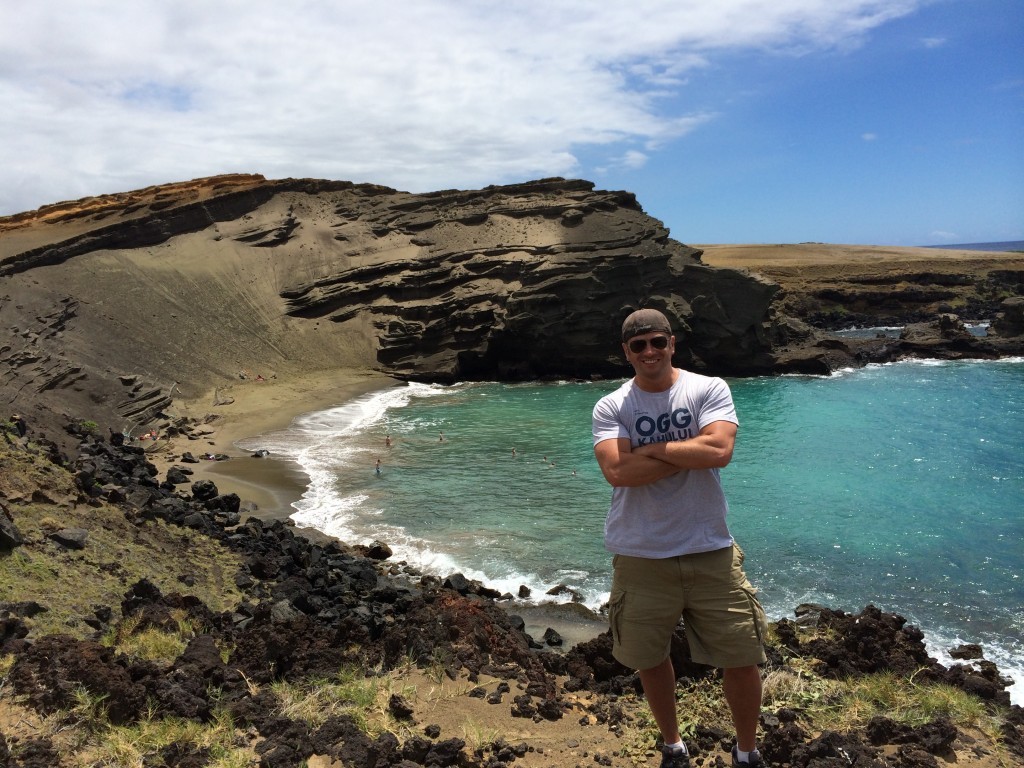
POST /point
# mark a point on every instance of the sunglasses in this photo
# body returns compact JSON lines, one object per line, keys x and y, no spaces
{"x":636,"y":346}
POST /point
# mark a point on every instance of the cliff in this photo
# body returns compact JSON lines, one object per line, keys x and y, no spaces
{"x":115,"y":305}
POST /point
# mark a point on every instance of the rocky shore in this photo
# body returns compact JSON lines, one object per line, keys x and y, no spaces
{"x":308,"y":608}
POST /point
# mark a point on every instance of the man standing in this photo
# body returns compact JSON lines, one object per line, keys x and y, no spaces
{"x":660,"y":440}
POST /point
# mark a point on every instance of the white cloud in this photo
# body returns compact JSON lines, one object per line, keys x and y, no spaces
{"x":933,"y":42}
{"x":417,"y":94}
{"x":948,"y":237}
{"x":869,"y":136}
{"x":634,"y":159}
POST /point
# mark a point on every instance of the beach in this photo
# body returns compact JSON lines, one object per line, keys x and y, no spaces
{"x":254,"y":407}
{"x":220,"y":311}
{"x":543,"y":529}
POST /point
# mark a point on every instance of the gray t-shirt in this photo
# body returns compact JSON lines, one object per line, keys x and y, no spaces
{"x":685,"y":512}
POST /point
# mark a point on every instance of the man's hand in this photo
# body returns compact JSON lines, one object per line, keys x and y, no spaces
{"x":624,"y":466}
{"x":710,"y":449}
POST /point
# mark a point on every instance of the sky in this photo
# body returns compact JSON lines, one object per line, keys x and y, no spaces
{"x":882,"y":122}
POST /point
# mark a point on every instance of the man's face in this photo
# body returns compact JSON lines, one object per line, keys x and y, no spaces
{"x":650,"y":354}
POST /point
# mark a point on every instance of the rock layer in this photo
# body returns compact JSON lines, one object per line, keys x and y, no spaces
{"x":115,"y":305}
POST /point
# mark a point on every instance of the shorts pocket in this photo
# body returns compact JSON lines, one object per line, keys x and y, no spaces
{"x":757,"y":612}
{"x":615,"y":605}
{"x":738,"y":554}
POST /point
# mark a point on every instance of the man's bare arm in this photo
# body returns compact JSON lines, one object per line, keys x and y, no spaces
{"x":710,"y":449}
{"x":623,"y":467}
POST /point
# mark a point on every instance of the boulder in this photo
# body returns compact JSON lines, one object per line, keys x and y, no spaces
{"x":1010,"y":320}
{"x":71,"y":538}
{"x":10,"y":536}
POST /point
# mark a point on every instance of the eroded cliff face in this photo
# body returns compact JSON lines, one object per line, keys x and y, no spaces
{"x":521,"y":282}
{"x":118,"y":302}
{"x":115,"y":305}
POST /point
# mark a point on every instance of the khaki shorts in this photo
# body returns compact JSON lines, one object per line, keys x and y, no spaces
{"x":724,"y":622}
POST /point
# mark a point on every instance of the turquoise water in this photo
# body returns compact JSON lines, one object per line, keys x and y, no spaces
{"x":899,"y":485}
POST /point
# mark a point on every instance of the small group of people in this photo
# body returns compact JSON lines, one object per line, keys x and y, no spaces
{"x":660,"y":440}
{"x":378,"y":466}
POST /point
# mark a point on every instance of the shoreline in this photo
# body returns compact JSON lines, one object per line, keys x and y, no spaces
{"x":250,"y":408}
{"x":269,"y":486}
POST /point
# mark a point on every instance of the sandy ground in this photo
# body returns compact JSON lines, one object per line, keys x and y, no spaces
{"x":832,"y":255}
{"x":256,"y":408}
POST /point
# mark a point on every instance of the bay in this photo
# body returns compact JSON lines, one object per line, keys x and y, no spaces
{"x":898,"y":485}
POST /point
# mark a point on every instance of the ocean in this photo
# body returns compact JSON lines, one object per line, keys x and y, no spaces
{"x":1005,"y":245}
{"x":899,"y":485}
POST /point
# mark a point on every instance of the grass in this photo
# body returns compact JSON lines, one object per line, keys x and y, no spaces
{"x":846,"y":705}
{"x":479,"y":736}
{"x":856,"y":701}
{"x":824,"y":704}
{"x":698,"y":705}
{"x":795,"y":686}
{"x":87,"y":738}
{"x":130,"y":746}
{"x":702,"y":705}
{"x":360,"y":695}
{"x":70,"y":583}
{"x":151,"y":643}
{"x":23,"y":471}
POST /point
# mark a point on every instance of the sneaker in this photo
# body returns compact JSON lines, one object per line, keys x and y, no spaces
{"x":674,"y":758}
{"x":754,"y":761}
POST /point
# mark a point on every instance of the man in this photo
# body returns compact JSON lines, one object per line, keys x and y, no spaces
{"x":660,"y":440}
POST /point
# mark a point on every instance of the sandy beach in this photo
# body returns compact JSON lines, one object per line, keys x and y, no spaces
{"x":254,"y":407}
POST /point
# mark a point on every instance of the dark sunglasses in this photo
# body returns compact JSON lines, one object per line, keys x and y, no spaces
{"x":636,"y":346}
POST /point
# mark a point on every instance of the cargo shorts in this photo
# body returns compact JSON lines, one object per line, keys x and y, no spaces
{"x":724,"y":622}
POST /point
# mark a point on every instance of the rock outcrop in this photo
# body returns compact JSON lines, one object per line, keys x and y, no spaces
{"x":115,"y":305}
{"x":837,"y":286}
{"x":506,"y":282}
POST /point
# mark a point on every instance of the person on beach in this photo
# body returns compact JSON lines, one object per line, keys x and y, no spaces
{"x":387,"y":441}
{"x":660,"y":441}
{"x":377,"y":467}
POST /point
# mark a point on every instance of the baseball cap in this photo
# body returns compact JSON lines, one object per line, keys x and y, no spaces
{"x":644,"y":321}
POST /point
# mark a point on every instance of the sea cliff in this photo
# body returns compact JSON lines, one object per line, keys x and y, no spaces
{"x":118,"y":304}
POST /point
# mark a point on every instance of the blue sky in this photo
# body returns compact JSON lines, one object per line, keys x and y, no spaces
{"x":889,"y":122}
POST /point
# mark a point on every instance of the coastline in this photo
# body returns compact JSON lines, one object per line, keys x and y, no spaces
{"x":268,"y":486}
{"x":249,"y":408}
